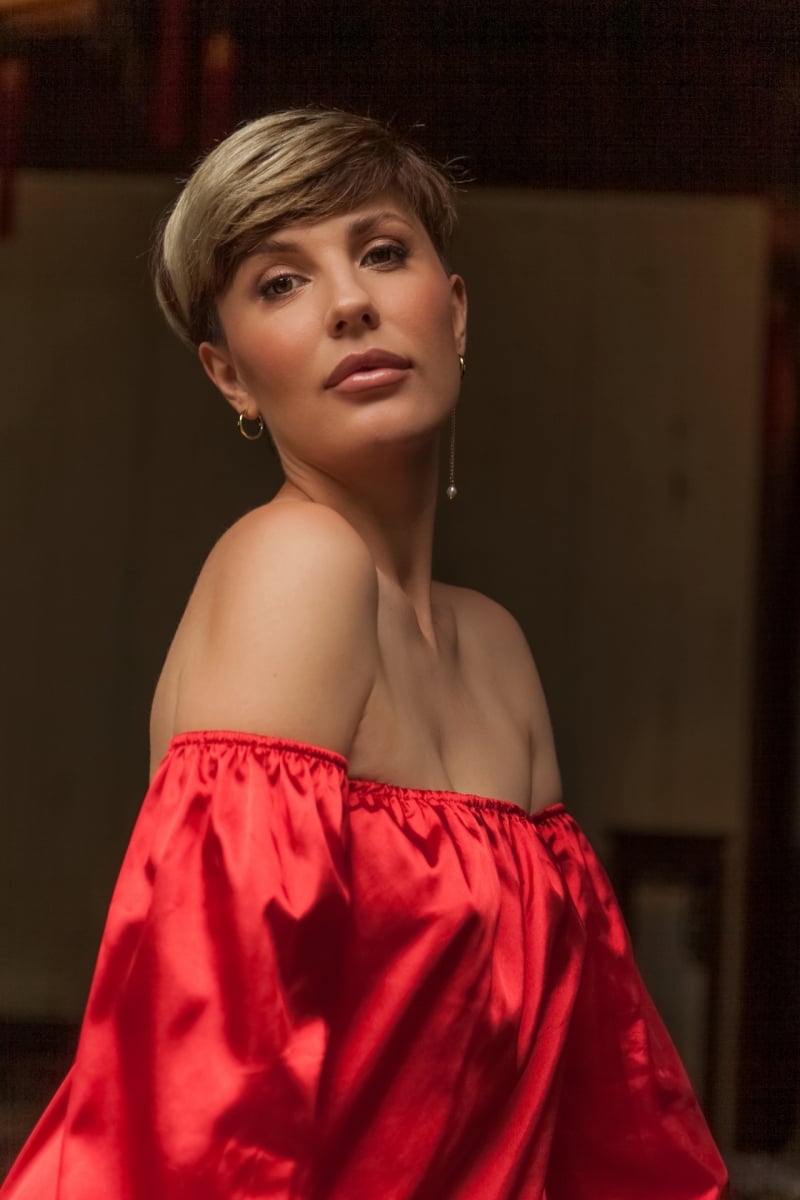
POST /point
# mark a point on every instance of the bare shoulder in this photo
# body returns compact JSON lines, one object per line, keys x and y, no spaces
{"x":275,"y":550}
{"x":485,"y":625}
{"x":280,"y":634}
{"x":320,"y":527}
{"x":496,"y":648}
{"x":493,"y":639}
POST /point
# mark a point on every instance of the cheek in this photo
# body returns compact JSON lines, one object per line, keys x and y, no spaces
{"x":429,"y":314}
{"x":277,"y":359}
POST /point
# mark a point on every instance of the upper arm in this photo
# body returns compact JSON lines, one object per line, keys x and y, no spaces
{"x":280,"y":635}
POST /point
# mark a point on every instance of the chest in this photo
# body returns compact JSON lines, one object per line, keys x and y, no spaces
{"x":441,"y":722}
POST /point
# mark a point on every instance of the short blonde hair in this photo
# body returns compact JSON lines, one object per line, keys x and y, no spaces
{"x":299,"y":165}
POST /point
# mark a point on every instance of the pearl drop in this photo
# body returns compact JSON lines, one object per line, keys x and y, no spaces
{"x":451,"y":492}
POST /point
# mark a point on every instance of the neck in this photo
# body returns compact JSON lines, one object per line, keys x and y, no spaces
{"x":393,"y":508}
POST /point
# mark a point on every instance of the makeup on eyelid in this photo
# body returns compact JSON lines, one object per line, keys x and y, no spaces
{"x":396,"y":255}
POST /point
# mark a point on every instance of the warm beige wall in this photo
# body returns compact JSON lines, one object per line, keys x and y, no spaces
{"x":607,"y":463}
{"x":610,"y":430}
{"x":117,"y":470}
{"x":608,"y":493}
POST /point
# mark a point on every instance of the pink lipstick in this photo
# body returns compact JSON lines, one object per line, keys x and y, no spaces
{"x":374,"y":368}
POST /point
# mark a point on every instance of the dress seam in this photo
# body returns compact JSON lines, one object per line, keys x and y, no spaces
{"x":431,"y":797}
{"x":434,"y":797}
{"x":205,"y":737}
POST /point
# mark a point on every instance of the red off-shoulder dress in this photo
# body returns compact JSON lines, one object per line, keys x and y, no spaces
{"x":315,"y":988}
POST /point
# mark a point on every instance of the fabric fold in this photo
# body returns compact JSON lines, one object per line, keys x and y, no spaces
{"x":626,"y":1101}
{"x":317,"y":988}
{"x":207,"y":1022}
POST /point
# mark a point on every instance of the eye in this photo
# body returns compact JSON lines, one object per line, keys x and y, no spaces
{"x":279,"y":286}
{"x":386,"y":254}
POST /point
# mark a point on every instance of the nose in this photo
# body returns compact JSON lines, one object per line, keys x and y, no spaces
{"x":352,"y":308}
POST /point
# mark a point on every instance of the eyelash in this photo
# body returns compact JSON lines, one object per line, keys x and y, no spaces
{"x":397,"y":255}
{"x":266,"y":289}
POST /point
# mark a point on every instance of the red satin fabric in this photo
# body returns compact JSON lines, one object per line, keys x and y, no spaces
{"x":317,"y":988}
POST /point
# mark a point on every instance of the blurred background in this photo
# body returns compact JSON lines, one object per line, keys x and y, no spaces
{"x":628,"y":471}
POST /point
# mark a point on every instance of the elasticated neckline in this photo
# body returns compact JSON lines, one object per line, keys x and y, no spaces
{"x":377,"y":789}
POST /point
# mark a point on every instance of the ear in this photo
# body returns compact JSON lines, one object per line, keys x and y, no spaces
{"x":221,"y":370}
{"x":458,"y":302}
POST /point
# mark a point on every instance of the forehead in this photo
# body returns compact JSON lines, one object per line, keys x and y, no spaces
{"x":355,"y":222}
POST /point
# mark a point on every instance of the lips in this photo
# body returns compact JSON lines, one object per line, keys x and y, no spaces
{"x":371,"y":360}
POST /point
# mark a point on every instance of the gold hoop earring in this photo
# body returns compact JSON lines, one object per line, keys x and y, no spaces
{"x":250,"y":437}
{"x":462,"y":364}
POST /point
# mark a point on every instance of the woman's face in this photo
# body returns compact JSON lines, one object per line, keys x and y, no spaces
{"x":343,"y":334}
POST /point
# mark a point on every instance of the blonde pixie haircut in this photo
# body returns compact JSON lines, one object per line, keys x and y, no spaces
{"x":299,"y":165}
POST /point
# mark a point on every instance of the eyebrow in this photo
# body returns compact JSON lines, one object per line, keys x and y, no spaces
{"x":275,"y":246}
{"x":362,"y":225}
{"x":356,"y":228}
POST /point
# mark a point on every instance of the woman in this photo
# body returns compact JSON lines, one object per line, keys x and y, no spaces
{"x":357,"y":947}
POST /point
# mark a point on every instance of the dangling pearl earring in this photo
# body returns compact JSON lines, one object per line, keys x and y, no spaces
{"x":452,"y":490}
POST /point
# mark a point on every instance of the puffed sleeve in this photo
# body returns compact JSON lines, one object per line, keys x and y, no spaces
{"x":199,"y":1060}
{"x":628,"y":1125}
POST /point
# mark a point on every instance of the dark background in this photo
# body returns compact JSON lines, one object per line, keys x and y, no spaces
{"x":687,"y":95}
